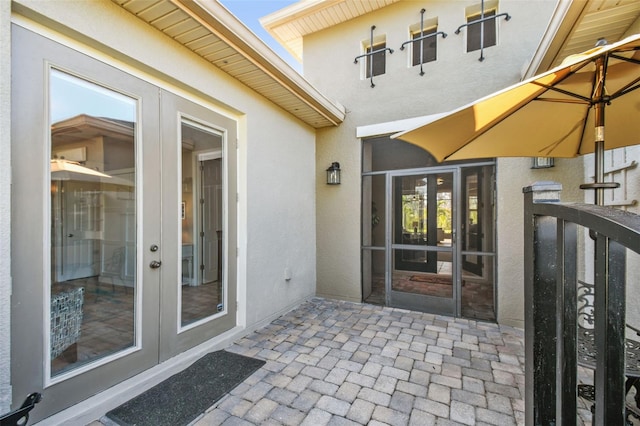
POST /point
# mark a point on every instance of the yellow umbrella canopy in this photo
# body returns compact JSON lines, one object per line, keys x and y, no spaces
{"x":63,"y":169}
{"x":559,"y":113}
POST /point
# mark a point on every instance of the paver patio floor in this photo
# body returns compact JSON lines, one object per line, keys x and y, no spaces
{"x":343,"y":363}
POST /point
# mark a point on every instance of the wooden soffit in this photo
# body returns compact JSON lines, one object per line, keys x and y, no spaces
{"x":208,"y":29}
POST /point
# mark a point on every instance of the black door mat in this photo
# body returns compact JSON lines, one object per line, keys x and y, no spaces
{"x":184,"y":396}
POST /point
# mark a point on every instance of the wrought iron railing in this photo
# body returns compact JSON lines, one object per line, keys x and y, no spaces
{"x":552,"y":244}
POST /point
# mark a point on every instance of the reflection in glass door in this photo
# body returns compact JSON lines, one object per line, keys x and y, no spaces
{"x":93,"y":223}
{"x":202,"y":290}
{"x":423,"y":219}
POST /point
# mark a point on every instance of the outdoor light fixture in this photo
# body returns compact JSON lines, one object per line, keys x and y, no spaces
{"x":542,"y":162}
{"x":333,"y":174}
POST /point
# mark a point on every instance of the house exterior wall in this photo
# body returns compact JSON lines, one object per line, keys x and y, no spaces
{"x":626,"y":172}
{"x":454,"y":79}
{"x":276,"y":157}
{"x":5,"y":206}
{"x":513,"y":174}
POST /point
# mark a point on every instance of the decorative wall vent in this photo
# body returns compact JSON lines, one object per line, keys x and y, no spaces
{"x":371,"y":55}
{"x":483,"y":18}
{"x":422,"y":38}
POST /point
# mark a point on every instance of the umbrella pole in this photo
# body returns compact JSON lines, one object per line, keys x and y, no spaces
{"x":599,"y":154}
{"x":599,"y":185}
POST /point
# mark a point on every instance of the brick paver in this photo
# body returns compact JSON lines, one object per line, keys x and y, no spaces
{"x":341,"y":363}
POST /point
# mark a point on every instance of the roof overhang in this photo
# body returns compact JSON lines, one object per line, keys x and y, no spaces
{"x":208,"y":29}
{"x":576,"y":26}
{"x":290,"y":24}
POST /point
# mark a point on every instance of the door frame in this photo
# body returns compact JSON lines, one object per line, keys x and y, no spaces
{"x":31,"y":219}
{"x":416,"y":302}
{"x":175,"y":338}
{"x":438,"y":305}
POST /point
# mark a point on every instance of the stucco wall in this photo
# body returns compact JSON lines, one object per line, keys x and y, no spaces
{"x":455,"y":79}
{"x":281,"y":214}
{"x":513,"y":174}
{"x":276,"y":151}
{"x":5,"y":204}
{"x":626,"y":197}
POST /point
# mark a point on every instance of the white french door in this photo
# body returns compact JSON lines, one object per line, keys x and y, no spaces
{"x":100,"y":222}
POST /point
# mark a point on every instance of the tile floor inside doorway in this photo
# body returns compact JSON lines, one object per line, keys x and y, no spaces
{"x":108,"y":317}
{"x":477,"y":295}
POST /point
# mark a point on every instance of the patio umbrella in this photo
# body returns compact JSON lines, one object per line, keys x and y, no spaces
{"x":72,"y":168}
{"x":560,"y":113}
{"x":64,"y":170}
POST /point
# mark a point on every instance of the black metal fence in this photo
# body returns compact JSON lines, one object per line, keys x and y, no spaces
{"x":554,"y":336}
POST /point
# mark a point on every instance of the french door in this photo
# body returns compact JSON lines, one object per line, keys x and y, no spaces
{"x":428,"y":239}
{"x":421,"y":242}
{"x":109,"y":202}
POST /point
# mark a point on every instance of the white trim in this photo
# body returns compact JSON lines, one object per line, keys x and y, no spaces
{"x":396,"y":126}
{"x":559,"y":13}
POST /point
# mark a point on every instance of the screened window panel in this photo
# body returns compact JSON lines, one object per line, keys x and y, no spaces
{"x":429,"y":47}
{"x":474,"y":31}
{"x":379,"y":60}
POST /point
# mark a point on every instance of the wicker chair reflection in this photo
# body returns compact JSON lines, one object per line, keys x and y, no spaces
{"x":66,"y":323}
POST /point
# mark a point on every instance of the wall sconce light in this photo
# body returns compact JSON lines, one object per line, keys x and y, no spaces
{"x":542,"y":162}
{"x":333,"y":174}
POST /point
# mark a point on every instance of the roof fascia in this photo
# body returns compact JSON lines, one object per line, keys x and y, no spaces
{"x":217,"y":19}
{"x":561,"y":25}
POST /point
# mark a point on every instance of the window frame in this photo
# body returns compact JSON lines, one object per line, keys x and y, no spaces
{"x":474,"y":41}
{"x":429,"y":53}
{"x":379,"y":66}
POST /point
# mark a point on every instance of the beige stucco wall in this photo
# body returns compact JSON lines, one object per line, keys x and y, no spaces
{"x":455,"y":79}
{"x":5,"y":205}
{"x":513,"y":174}
{"x":626,"y":197}
{"x":276,"y":151}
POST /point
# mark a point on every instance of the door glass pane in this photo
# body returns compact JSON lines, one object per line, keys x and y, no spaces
{"x":477,"y":287}
{"x":373,"y":276}
{"x":422,"y":225}
{"x":436,"y":283}
{"x":201,"y":283}
{"x":423,"y":209}
{"x":373,"y":214}
{"x":477,"y":202}
{"x":93,"y":222}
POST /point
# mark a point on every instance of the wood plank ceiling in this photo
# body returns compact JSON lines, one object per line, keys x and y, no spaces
{"x":294,"y":22}
{"x":588,"y":21}
{"x":217,"y":36}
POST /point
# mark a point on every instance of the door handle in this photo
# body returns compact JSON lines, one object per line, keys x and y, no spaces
{"x":155,"y":264}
